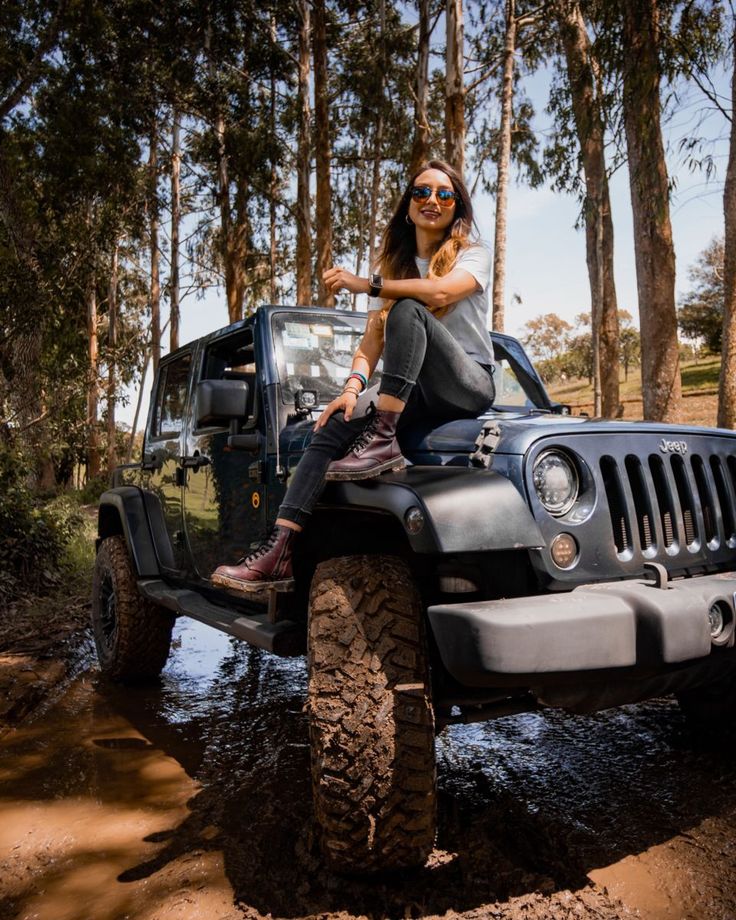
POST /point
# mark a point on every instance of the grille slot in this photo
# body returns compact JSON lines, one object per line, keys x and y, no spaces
{"x":724,"y":498}
{"x":732,"y":471}
{"x":642,"y":504}
{"x":616,"y":505}
{"x":706,"y":499}
{"x":664,"y":500}
{"x":685,"y":497}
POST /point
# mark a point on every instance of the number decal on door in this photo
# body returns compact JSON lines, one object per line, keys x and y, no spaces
{"x":255,"y":499}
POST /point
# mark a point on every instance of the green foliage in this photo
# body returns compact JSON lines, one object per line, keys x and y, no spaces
{"x":700,"y":315}
{"x":35,"y":535}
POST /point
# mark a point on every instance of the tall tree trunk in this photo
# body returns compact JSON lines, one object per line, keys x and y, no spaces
{"x":234,"y":284}
{"x":273,"y":178}
{"x":455,"y":87}
{"x":360,"y":249}
{"x":303,"y":156}
{"x":655,"y":255}
{"x":420,"y":146}
{"x":134,"y":428}
{"x":112,"y":343}
{"x":727,"y":388}
{"x":153,"y":216}
{"x":322,"y":153}
{"x":502,"y":181}
{"x":597,"y":207}
{"x":238,"y":246}
{"x":377,"y":140}
{"x":93,"y":437}
{"x":174,"y":283}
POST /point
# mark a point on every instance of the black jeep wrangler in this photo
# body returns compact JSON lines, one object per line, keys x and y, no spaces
{"x":524,"y":559}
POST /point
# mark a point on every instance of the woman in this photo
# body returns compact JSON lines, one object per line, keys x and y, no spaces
{"x":430,"y":324}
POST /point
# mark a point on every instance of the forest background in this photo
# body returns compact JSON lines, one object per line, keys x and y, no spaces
{"x":153,"y":156}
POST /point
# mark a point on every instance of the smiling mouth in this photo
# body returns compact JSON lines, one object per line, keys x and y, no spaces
{"x":427,"y":213}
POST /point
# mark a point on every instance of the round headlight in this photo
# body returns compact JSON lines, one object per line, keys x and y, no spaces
{"x":555,"y":482}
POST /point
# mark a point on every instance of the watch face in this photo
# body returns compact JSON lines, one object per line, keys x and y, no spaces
{"x":376,"y":280}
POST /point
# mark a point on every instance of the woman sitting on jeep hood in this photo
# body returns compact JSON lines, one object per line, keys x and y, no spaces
{"x":428,"y":317}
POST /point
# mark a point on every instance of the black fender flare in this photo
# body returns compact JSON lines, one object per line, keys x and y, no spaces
{"x":123,"y":511}
{"x":465,"y":510}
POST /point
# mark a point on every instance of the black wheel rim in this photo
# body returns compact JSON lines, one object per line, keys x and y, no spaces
{"x":108,"y":611}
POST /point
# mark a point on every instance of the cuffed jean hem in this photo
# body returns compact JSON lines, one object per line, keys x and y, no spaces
{"x":398,"y":387}
{"x":295,"y":515}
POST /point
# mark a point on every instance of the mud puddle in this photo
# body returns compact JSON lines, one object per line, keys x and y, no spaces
{"x":191,"y":800}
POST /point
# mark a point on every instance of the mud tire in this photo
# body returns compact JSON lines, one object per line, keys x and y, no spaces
{"x":370,"y":714}
{"x":132,"y":635}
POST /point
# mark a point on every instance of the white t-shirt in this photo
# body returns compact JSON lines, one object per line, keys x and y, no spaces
{"x":467,"y":319}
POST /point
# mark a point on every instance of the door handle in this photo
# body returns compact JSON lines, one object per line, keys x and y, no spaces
{"x":195,"y":462}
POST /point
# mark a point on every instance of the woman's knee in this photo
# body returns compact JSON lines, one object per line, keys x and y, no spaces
{"x":405,"y":312}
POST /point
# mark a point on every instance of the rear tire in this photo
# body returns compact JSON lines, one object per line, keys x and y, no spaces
{"x":371,"y":719}
{"x":132,"y":635}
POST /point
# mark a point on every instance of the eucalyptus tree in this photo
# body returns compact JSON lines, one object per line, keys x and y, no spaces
{"x":507,"y":39}
{"x":577,"y":160}
{"x":727,"y":387}
{"x":73,"y":144}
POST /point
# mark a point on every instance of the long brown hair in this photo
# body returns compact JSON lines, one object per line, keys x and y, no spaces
{"x":399,"y":246}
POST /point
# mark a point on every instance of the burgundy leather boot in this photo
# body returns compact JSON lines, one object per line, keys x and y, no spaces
{"x":268,"y":566}
{"x":374,"y":451}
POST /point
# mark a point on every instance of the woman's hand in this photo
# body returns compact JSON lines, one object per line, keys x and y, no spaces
{"x":345,"y":402}
{"x":339,"y":279}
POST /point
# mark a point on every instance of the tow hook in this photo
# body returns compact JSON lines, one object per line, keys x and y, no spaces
{"x":659,"y":575}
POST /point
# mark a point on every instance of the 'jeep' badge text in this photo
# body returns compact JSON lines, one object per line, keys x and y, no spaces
{"x":673,"y":447}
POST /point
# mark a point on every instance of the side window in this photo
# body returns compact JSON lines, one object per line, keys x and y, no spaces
{"x":234,"y":359}
{"x":171,"y":398}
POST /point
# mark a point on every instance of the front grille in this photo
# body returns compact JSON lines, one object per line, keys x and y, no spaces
{"x":670,"y":503}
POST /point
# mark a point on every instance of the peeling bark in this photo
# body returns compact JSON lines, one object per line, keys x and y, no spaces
{"x":420,"y":146}
{"x":303,"y":156}
{"x":504,"y":159}
{"x":153,"y":218}
{"x":112,"y":323}
{"x":727,"y":387}
{"x":597,"y":207}
{"x":175,"y":223}
{"x":455,"y":88}
{"x":322,"y":153}
{"x":655,"y":255}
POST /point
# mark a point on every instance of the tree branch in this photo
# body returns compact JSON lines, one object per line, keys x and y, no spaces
{"x":45,"y":43}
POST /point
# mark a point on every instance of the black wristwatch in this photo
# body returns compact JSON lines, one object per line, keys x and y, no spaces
{"x":376,"y":285}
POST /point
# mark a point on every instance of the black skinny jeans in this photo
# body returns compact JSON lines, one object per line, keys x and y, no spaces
{"x":425,"y":367}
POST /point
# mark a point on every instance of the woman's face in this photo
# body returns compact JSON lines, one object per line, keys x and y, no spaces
{"x":431,"y":213}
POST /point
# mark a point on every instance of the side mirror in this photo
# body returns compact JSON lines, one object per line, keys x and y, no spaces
{"x":220,"y":401}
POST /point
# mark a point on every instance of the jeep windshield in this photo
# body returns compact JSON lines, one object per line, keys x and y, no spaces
{"x":314,"y":352}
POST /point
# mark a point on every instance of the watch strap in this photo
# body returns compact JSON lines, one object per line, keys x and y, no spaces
{"x":376,"y":284}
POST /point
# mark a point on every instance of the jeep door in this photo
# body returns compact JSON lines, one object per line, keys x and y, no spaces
{"x":224,"y":497}
{"x":162,"y":452}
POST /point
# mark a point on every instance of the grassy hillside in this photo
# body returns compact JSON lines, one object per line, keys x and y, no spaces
{"x":699,"y":389}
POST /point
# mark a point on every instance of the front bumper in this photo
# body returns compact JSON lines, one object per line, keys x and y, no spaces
{"x":622,"y":624}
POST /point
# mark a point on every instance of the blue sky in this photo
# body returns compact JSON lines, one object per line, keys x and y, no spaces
{"x":545,"y":253}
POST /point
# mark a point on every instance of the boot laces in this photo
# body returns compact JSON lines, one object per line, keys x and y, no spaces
{"x":364,"y":438}
{"x":264,"y":548}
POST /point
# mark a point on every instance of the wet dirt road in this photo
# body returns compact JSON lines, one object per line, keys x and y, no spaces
{"x":191,"y":800}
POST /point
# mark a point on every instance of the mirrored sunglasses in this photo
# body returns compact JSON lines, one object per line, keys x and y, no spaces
{"x":445,"y":196}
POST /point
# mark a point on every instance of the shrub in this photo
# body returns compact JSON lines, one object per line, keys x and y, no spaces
{"x":32,"y":535}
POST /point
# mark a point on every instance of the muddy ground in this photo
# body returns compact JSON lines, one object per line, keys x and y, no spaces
{"x":191,"y":799}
